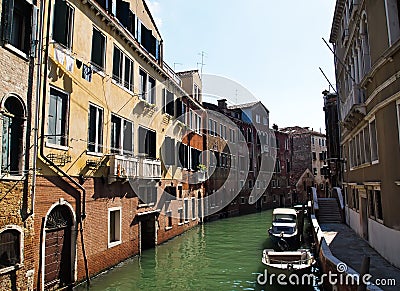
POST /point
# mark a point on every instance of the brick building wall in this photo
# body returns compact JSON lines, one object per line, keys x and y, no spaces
{"x":17,"y":81}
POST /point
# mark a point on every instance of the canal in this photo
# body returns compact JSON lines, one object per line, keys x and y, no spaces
{"x":220,"y":255}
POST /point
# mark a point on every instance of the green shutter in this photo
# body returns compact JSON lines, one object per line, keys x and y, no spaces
{"x":7,"y":20}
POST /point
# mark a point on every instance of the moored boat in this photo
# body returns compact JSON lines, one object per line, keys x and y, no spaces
{"x":289,"y":262}
{"x":283,"y":232}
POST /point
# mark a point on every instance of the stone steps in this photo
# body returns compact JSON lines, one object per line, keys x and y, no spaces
{"x":329,"y":211}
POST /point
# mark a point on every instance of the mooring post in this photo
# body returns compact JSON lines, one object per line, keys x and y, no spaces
{"x":363,"y":271}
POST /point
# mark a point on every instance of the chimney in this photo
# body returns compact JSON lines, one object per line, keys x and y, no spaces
{"x":222,"y":104}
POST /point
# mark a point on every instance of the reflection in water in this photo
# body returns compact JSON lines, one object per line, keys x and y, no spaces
{"x":222,"y":255}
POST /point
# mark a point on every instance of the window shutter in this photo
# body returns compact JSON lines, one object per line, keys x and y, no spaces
{"x":60,"y":22}
{"x":157,"y":50}
{"x":128,"y":141}
{"x":52,"y":119}
{"x":164,"y":100}
{"x":5,"y":143}
{"x":7,"y":19}
{"x":139,"y":31}
{"x":92,"y":128}
{"x":35,"y":13}
{"x":132,"y":22}
{"x":59,"y":125}
{"x":100,"y":130}
{"x":123,"y":13}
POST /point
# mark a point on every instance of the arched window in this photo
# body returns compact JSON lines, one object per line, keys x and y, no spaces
{"x":12,"y":136}
{"x":10,"y":247}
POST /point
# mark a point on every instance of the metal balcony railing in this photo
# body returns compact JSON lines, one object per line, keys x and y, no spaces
{"x":122,"y":167}
{"x":149,"y":169}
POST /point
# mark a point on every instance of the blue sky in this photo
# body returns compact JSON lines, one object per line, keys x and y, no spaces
{"x":272,"y":48}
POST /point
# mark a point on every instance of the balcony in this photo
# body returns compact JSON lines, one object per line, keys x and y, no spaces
{"x":172,"y":74}
{"x":353,"y":110}
{"x":149,"y":169}
{"x":122,"y":168}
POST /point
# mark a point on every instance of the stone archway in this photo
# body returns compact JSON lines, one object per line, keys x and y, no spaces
{"x":58,"y":258}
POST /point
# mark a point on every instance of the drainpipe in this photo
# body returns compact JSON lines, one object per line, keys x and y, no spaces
{"x":36,"y":124}
{"x":82,"y":198}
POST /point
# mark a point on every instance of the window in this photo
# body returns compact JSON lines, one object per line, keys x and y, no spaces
{"x":114,"y":226}
{"x":314,"y":156}
{"x":194,"y":159}
{"x":210,"y":127}
{"x":57,"y":119}
{"x":12,"y":136}
{"x":147,"y":142}
{"x":183,"y":156}
{"x":250,"y":184}
{"x":180,"y":210}
{"x":371,"y":200}
{"x":258,"y":118}
{"x":278,"y":166}
{"x":367,"y":145}
{"x":11,"y":240}
{"x":147,"y":40}
{"x":16,"y":23}
{"x":169,"y":151}
{"x":98,"y":49}
{"x":148,"y":195}
{"x":122,"y":69}
{"x":168,"y":102}
{"x":95,"y":129}
{"x":225,"y":135}
{"x":142,"y":84}
{"x":221,"y":131}
{"x":232,"y":135}
{"x":315,"y":171}
{"x":374,"y":142}
{"x":121,"y":136}
{"x":196,"y":92}
{"x":168,"y":218}
{"x":378,"y":201}
{"x":63,"y":23}
{"x":241,"y":184}
{"x":193,"y":208}
{"x":198,"y":124}
{"x":265,"y":120}
{"x":186,"y":210}
{"x":242,"y":200}
{"x":313,"y":140}
{"x":126,"y":16}
{"x":151,"y":94}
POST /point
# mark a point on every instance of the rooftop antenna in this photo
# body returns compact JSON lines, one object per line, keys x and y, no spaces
{"x":203,"y":54}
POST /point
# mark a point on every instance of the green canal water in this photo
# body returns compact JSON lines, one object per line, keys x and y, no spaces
{"x":220,"y":255}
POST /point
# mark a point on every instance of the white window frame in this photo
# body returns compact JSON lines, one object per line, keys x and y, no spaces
{"x":98,"y":147}
{"x":265,"y":120}
{"x":117,"y":242}
{"x":194,"y":208}
{"x":186,"y":210}
{"x":168,"y":215}
{"x":181,"y":216}
{"x":122,"y":137}
{"x":258,"y":118}
{"x":21,"y":248}
{"x":373,"y":162}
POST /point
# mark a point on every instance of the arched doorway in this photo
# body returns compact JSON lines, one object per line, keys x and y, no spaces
{"x":58,"y":256}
